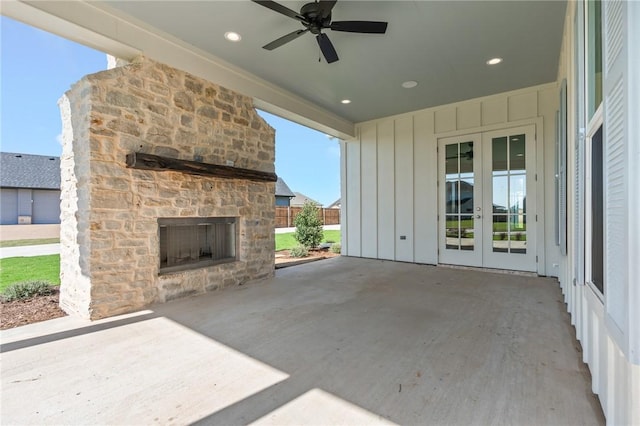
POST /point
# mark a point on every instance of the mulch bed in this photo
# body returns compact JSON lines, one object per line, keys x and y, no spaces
{"x":23,"y":312}
{"x":283,"y":257}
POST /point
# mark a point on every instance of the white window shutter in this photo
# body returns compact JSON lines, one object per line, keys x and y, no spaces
{"x":562,"y":170}
{"x":616,"y":165}
{"x":579,"y":148}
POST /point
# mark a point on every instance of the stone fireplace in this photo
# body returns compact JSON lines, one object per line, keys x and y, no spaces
{"x":117,"y":221}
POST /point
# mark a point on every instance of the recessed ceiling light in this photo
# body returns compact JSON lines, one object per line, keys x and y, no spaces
{"x":409,"y":84}
{"x":232,"y":36}
{"x":345,"y":101}
{"x":494,"y":61}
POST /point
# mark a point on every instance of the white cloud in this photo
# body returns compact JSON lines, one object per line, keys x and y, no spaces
{"x":59,"y":138}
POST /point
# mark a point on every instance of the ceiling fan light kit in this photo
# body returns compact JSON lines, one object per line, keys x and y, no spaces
{"x":316,"y":17}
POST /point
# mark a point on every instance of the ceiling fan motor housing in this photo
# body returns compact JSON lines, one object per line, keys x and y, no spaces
{"x":312,"y":12}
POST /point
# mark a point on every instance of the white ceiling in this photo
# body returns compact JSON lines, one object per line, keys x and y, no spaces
{"x":444,"y":45}
{"x":441,"y":44}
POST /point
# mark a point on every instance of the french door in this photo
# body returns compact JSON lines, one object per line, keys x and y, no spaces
{"x":487,"y":213}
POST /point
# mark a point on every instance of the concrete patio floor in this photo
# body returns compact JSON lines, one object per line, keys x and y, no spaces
{"x":342,"y":341}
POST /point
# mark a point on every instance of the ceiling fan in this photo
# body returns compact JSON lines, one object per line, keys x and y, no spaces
{"x":316,"y":17}
{"x":468,"y":156}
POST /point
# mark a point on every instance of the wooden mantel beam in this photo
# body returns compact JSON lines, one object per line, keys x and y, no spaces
{"x":138,"y":160}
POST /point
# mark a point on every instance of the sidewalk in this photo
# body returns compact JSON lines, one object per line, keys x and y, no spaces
{"x":28,"y":251}
{"x":43,"y":249}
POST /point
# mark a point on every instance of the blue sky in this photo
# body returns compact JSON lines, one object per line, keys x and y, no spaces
{"x":38,"y":67}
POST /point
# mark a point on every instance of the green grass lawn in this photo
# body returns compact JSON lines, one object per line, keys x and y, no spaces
{"x":287,"y":242}
{"x":16,"y":269}
{"x":34,"y":242}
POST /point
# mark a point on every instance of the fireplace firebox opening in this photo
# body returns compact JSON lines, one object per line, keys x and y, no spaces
{"x":191,"y":243}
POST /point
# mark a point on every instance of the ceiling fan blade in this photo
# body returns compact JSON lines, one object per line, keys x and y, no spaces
{"x":276,"y":7}
{"x":326,"y":6}
{"x":369,"y":27}
{"x":327,"y":48}
{"x":284,"y":39}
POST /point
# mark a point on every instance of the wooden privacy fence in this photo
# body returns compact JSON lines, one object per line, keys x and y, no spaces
{"x":285,"y":216}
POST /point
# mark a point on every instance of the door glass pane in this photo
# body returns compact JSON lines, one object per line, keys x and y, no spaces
{"x":451,"y":161}
{"x":452,"y":196}
{"x":466,"y":232}
{"x":453,"y":232}
{"x":466,"y":158}
{"x":500,"y":233}
{"x":499,"y":154}
{"x":466,"y":195}
{"x":518,"y":234}
{"x":500,"y":194}
{"x":516,"y":153}
{"x":517,"y":194}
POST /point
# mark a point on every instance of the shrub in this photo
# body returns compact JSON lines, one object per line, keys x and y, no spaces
{"x":308,"y":226}
{"x":299,"y":251}
{"x":26,"y":290}
{"x":336,"y":248}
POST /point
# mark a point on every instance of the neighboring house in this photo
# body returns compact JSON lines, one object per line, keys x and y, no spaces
{"x":283,"y":193}
{"x":29,"y":189}
{"x":300,"y":199}
{"x":335,"y":204}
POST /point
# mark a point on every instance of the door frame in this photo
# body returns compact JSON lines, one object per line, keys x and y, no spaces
{"x":495,"y":260}
{"x":521,"y":262}
{"x":459,"y":257}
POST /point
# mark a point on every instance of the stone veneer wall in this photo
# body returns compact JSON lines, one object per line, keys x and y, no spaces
{"x":109,"y":230}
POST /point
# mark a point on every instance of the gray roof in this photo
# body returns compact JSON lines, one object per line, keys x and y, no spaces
{"x":29,"y":171}
{"x":282,"y":190}
{"x":300,"y":199}
{"x":335,"y":204}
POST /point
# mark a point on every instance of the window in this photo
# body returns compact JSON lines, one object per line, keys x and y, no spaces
{"x":579,"y":147}
{"x":594,"y":206}
{"x":196,"y":242}
{"x":594,"y":56}
{"x":597,"y":212}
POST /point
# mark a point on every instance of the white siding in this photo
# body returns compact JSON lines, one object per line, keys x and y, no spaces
{"x":386,"y":190}
{"x":404,"y":189}
{"x":369,"y":156}
{"x":609,"y":331}
{"x":424,"y":192}
{"x":353,"y":205}
{"x":396,"y":168}
{"x":469,"y":115}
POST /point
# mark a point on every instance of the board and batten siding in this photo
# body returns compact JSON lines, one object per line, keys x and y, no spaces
{"x":607,"y":325}
{"x":390,"y":174}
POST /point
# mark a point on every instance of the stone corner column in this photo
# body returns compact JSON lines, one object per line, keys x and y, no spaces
{"x":75,"y":288}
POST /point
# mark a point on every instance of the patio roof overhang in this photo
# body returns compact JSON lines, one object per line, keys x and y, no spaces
{"x":443,"y":46}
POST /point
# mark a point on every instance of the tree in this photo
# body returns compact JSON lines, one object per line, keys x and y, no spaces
{"x":308,"y":226}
